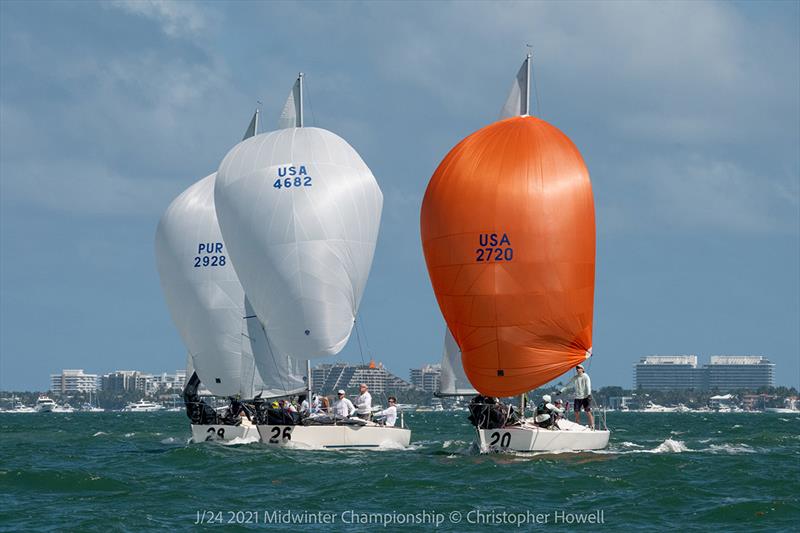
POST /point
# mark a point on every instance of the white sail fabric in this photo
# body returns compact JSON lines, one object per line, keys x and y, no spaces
{"x":518,"y":99}
{"x":281,"y":375}
{"x":290,"y":116}
{"x":189,"y":365}
{"x":453,"y":381}
{"x":300,"y":212}
{"x":252,"y":129}
{"x":203,"y":294}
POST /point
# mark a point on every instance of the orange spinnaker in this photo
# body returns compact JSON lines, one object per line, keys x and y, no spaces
{"x":509,"y":239}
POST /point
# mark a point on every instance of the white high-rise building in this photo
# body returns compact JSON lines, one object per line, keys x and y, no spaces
{"x":71,"y":381}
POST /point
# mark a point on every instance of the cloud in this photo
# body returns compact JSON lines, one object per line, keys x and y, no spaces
{"x":702,"y":193}
{"x":177,"y":19}
{"x":88,"y":188}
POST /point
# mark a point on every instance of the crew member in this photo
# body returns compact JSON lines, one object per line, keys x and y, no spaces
{"x":582,"y":385}
{"x":389,"y":414}
{"x":364,"y":403}
{"x":342,"y":406}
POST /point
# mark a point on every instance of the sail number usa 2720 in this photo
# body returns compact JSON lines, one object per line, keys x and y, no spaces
{"x":292,"y":176}
{"x":493,"y":247}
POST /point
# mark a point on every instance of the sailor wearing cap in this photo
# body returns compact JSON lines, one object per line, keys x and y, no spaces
{"x":583,"y":394}
{"x":342,"y":406}
{"x":547,"y":413}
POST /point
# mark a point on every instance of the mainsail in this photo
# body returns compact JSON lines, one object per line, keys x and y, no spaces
{"x":281,"y":374}
{"x":453,"y":381}
{"x":508,"y":234}
{"x":300,"y":211}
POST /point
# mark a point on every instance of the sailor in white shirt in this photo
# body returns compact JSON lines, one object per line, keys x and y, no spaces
{"x":342,"y":406}
{"x":390,"y":413}
{"x":364,"y":403}
{"x":583,"y":394}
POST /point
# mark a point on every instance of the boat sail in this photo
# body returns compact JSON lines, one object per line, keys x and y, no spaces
{"x":508,"y":234}
{"x":300,"y":212}
{"x":204,"y":295}
{"x":226,"y":350}
{"x":453,"y":380}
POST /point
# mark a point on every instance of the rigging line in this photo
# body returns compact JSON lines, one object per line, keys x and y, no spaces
{"x":358,"y":337}
{"x":536,"y":92}
{"x":364,"y":332}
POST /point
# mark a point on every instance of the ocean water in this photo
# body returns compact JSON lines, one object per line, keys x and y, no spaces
{"x":661,"y":471}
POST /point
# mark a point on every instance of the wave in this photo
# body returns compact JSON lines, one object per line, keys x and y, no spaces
{"x":99,"y":433}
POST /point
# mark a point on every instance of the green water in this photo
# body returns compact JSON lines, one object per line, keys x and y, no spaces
{"x":662,"y":471}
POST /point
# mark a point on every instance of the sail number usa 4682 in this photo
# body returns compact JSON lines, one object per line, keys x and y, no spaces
{"x":292,"y":176}
{"x":493,"y":247}
{"x":210,"y":254}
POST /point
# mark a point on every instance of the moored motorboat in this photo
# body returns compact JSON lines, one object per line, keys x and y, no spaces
{"x":44,"y":405}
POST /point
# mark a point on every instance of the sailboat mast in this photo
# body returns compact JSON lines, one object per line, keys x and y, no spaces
{"x":528,"y":85}
{"x":300,"y":110}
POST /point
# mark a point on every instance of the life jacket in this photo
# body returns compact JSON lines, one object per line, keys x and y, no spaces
{"x":542,"y":409}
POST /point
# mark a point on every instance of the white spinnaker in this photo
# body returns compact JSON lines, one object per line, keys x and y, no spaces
{"x":203,"y":294}
{"x":453,"y":381}
{"x":300,"y":212}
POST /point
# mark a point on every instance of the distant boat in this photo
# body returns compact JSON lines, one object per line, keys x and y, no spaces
{"x":17,"y":407}
{"x":45,"y":405}
{"x":508,"y":232}
{"x":142,"y":406}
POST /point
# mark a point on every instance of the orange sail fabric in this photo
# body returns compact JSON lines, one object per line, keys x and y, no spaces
{"x":509,"y":239}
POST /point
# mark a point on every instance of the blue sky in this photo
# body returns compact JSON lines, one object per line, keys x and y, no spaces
{"x":687,"y":114}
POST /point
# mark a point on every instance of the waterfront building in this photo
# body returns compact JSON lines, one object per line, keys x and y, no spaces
{"x":328,"y":378}
{"x":723,"y":373}
{"x":731,"y":372}
{"x":71,"y":381}
{"x":427,"y":378}
{"x":668,"y":372}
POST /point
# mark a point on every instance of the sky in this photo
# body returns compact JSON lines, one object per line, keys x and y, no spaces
{"x":687,"y":115}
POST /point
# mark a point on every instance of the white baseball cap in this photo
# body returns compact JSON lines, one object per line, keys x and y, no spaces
{"x":341,"y":391}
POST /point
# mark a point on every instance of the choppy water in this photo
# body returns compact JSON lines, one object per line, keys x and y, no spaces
{"x":136,"y":471}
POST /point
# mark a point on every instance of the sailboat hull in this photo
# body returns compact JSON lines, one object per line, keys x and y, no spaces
{"x":531,"y":438}
{"x":243,"y":433}
{"x":336,"y":437}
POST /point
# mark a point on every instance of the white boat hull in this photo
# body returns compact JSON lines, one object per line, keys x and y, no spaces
{"x":369,"y":436}
{"x":221,"y":433}
{"x":531,"y":438}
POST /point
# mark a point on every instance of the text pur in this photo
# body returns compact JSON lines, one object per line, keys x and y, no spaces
{"x":209,"y":254}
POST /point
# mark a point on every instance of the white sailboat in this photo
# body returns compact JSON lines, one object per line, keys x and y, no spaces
{"x":209,"y":308}
{"x":515,"y":280}
{"x":300,"y":211}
